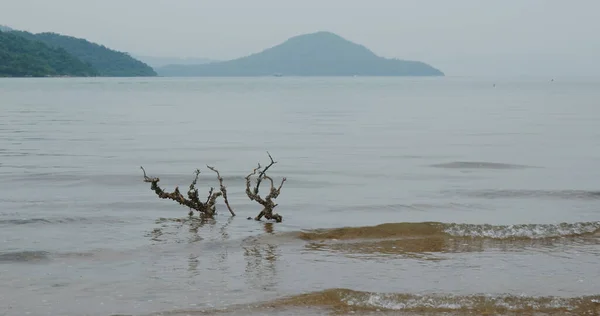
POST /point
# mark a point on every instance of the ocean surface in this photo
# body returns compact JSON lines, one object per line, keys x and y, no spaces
{"x":404,"y":196}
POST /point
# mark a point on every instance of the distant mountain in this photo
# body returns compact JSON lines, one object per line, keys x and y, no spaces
{"x":21,"y":57}
{"x":316,"y":54}
{"x":108,"y":62}
{"x":4,"y":28}
{"x":157,"y":62}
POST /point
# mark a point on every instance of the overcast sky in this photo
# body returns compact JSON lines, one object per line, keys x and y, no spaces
{"x":461,"y":37}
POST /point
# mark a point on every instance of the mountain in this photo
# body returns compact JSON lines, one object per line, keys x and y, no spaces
{"x":4,"y":28}
{"x":21,"y":57}
{"x":157,"y":62}
{"x":108,"y":62}
{"x":316,"y":54}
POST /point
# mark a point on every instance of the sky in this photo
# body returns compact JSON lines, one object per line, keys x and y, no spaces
{"x":460,"y":37}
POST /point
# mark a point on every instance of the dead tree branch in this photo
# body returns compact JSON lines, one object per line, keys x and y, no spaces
{"x":193,"y":199}
{"x":262,"y":173}
{"x":223,"y":189}
{"x":267,"y":202}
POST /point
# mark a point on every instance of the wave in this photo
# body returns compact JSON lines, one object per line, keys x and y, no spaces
{"x":61,"y":220}
{"x":345,"y":302}
{"x":430,"y":240}
{"x":429,"y":229}
{"x":555,"y":194}
{"x":479,"y":165}
{"x":24,"y":221}
{"x":348,"y":300}
{"x":41,"y":256}
{"x":24,"y":256}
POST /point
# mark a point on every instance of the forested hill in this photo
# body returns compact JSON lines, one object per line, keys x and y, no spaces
{"x":108,"y":62}
{"x":22,"y":57}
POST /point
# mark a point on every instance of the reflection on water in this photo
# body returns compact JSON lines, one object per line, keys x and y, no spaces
{"x":193,"y":264}
{"x":223,"y":230}
{"x":429,"y":248}
{"x":417,"y":248}
{"x":222,"y":253}
{"x":171,"y":229}
{"x":269,"y":228}
{"x":261,"y":261}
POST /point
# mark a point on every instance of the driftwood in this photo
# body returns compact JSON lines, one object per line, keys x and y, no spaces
{"x":207,"y":208}
{"x":267,"y":202}
{"x":192,"y":201}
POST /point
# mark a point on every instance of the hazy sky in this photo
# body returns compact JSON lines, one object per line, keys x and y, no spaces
{"x":461,"y":37}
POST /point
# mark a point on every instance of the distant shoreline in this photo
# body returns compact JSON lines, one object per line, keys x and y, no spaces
{"x":257,"y":76}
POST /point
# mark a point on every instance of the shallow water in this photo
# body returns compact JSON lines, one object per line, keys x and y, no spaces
{"x":440,"y":195}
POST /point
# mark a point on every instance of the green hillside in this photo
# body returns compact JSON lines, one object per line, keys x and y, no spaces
{"x":108,"y":62}
{"x":316,"y":54}
{"x":21,"y":57}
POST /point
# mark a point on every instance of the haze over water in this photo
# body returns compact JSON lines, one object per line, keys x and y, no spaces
{"x":489,"y":195}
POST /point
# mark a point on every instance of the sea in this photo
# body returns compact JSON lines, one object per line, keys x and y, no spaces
{"x":403,"y":196}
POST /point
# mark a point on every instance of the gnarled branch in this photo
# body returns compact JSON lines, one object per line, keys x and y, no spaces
{"x":193,"y":200}
{"x":223,"y":189}
{"x":253,"y":193}
{"x":267,"y":202}
{"x":262,"y":173}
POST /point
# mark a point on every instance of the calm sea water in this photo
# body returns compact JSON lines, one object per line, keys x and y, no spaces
{"x":490,"y":196}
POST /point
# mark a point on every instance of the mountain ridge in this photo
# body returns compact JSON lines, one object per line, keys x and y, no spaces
{"x":314,"y":54}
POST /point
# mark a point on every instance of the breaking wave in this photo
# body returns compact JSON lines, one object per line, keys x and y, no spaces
{"x":428,"y":229}
{"x":344,"y":300}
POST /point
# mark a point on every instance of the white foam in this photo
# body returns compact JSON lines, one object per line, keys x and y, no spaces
{"x":412,"y":302}
{"x":533,"y":231}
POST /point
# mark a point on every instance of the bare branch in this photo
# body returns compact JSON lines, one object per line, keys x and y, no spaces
{"x":210,"y":193}
{"x":267,"y":203}
{"x":252,"y":193}
{"x":148,"y":179}
{"x":262,"y":173}
{"x":269,"y":166}
{"x":275,"y":192}
{"x":223,"y":189}
{"x":213,"y":199}
{"x":281,"y":185}
{"x":193,"y":191}
{"x":192,"y":201}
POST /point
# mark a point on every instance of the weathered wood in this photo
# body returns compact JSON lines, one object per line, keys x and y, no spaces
{"x":267,"y":202}
{"x":192,"y":201}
